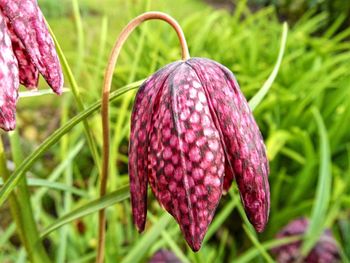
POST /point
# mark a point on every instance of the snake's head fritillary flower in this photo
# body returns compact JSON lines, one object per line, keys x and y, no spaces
{"x":164,"y":256}
{"x":192,"y":133}
{"x":324,"y":251}
{"x":26,"y":48}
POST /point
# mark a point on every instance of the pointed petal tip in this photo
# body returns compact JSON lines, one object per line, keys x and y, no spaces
{"x":196,"y":246}
{"x":193,"y":241}
{"x":140,"y":226}
{"x":56,"y":84}
{"x":194,"y":235}
{"x":258,"y":219}
{"x":8,"y":117}
{"x":139,"y":213}
{"x":259,"y":224}
{"x":8,"y":125}
{"x":260,"y":228}
{"x":59,"y":91}
{"x":139,"y":229}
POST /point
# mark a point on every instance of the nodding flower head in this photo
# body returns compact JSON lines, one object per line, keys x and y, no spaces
{"x":192,"y":133}
{"x":26,"y":48}
{"x":164,"y":256}
{"x":324,"y":251}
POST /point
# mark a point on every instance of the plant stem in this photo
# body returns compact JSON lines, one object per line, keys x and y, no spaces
{"x":105,"y":107}
{"x":21,"y":207}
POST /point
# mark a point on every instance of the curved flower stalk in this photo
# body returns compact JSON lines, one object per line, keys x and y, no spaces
{"x":105,"y":107}
{"x":26,"y":49}
{"x":192,"y":134}
{"x":325,"y":250}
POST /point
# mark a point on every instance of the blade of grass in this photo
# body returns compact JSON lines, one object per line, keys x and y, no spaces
{"x":222,"y":246}
{"x":28,"y":238}
{"x":76,"y":93}
{"x":323,"y":190}
{"x":13,"y":201}
{"x":257,"y":244}
{"x":35,"y":182}
{"x":80,"y":34}
{"x":141,"y":248}
{"x":86,"y":258}
{"x":252,"y":253}
{"x":50,"y":182}
{"x":258,"y":97}
{"x":169,"y":240}
{"x":64,"y":232}
{"x":99,"y":63}
{"x":220,"y":219}
{"x":7,"y":233}
{"x":64,"y":149}
{"x":37,"y":252}
{"x":91,"y":207}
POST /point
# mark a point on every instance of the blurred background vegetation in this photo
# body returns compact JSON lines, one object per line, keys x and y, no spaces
{"x":244,"y":36}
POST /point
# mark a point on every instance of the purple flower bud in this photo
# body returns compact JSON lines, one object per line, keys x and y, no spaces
{"x":29,"y":25}
{"x":164,"y":256}
{"x":192,"y":132}
{"x":26,"y":49}
{"x":8,"y":79}
{"x":324,"y":251}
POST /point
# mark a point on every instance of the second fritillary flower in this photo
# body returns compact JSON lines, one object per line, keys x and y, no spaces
{"x":26,"y":48}
{"x":325,"y":250}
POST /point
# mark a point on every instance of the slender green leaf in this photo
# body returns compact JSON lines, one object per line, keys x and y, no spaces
{"x":89,"y":208}
{"x":323,"y":190}
{"x":175,"y":248}
{"x":252,"y":253}
{"x":34,"y":182}
{"x":141,"y":248}
{"x":258,"y":97}
{"x":76,"y":93}
{"x":257,"y":244}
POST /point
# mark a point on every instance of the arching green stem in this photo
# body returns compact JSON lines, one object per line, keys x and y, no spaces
{"x":105,"y":107}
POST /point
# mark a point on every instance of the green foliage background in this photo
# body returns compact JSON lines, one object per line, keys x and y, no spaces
{"x":304,"y":119}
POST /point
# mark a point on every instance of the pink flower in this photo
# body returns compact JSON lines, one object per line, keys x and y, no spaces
{"x":324,"y":251}
{"x":26,"y":48}
{"x":192,"y":133}
{"x":164,"y":256}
